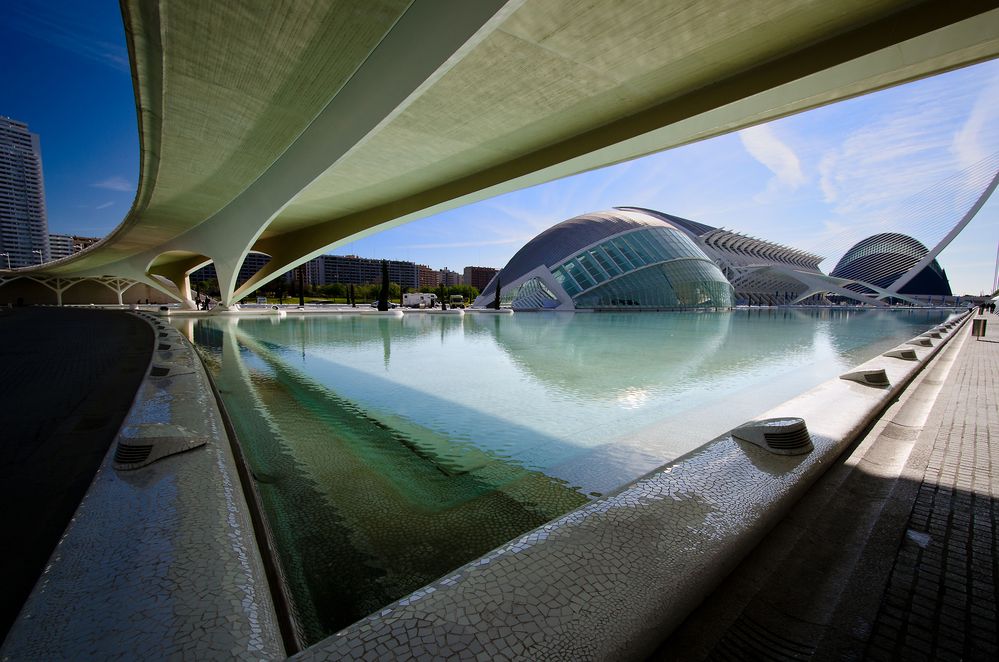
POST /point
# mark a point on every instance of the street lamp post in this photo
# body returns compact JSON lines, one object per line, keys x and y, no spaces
{"x":39,"y":255}
{"x":7,"y":255}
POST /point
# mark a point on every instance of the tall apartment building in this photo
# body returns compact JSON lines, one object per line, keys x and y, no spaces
{"x":60,"y":246}
{"x":326,"y":270}
{"x":24,"y":227}
{"x":478,"y":277}
{"x":448,"y":278}
{"x":429,"y":278}
{"x":253,"y":263}
{"x":64,"y":245}
{"x":348,"y":269}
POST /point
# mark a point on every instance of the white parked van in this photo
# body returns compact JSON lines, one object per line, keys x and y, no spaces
{"x":419,"y":300}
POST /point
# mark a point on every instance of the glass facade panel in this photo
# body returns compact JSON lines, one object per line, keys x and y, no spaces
{"x":653,"y":267}
{"x":678,"y":284}
{"x":579,"y":275}
{"x":566,"y":281}
{"x":616,"y":255}
{"x":591,"y":267}
{"x":650,"y":250}
{"x":604,"y":261}
{"x":629,"y":252}
{"x":534,"y":294}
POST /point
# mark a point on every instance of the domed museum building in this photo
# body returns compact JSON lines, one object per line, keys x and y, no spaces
{"x":610,"y":260}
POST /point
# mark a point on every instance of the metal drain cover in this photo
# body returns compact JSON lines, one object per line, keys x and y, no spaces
{"x":141,"y":445}
{"x":782,"y":436}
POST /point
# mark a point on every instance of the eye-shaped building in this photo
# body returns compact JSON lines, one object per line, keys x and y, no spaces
{"x":619,"y":259}
{"x":882,"y":259}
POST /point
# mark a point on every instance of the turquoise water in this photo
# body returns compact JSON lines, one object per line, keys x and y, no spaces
{"x":389,"y":451}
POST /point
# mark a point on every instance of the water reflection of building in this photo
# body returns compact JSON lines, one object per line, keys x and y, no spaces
{"x":562,"y":351}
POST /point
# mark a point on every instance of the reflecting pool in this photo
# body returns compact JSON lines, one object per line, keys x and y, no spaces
{"x":389,"y":451}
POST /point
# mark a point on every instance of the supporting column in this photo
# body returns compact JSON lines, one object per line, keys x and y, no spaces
{"x":183,"y":284}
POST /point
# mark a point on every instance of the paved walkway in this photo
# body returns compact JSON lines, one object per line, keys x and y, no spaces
{"x":67,"y":379}
{"x":940,"y":601}
{"x":892,"y":555}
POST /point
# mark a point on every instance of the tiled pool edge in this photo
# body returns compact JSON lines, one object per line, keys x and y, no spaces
{"x":280,"y":594}
{"x":612,"y":578}
{"x":160,"y":561}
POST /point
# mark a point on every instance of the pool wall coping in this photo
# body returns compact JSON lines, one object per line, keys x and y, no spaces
{"x":614,"y":577}
{"x":159,"y":561}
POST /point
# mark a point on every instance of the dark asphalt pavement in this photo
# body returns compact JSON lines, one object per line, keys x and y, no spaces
{"x":67,"y":378}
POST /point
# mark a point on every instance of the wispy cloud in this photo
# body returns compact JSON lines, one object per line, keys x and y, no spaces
{"x":116,"y":184}
{"x":763,"y":145}
{"x":62,"y":29}
{"x":474,"y":244}
{"x":105,"y":205}
{"x":971,"y":142}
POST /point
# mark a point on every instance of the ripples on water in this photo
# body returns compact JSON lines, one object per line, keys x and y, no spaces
{"x":389,"y":451}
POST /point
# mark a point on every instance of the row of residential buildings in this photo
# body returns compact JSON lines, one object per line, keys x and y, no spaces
{"x":351,"y":269}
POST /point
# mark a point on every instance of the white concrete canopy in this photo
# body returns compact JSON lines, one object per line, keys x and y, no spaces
{"x":289,"y":127}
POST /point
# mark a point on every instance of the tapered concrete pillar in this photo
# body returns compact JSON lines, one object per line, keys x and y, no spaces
{"x":183,"y":284}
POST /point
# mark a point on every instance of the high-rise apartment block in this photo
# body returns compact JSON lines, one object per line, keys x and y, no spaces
{"x":429,"y":278}
{"x":64,"y":245}
{"x":478,"y":277}
{"x":253,"y":263}
{"x":60,"y":246}
{"x":449,"y":278}
{"x":359,"y":270}
{"x":24,"y":234}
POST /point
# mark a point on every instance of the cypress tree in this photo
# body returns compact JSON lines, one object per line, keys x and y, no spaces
{"x":496,"y":299}
{"x":383,"y":296}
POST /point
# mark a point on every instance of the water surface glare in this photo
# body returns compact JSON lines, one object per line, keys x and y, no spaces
{"x":389,"y":451}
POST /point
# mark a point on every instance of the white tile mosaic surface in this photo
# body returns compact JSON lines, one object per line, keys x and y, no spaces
{"x":159,"y":562}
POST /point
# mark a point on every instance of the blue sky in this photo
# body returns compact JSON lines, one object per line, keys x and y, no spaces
{"x":818,"y":180}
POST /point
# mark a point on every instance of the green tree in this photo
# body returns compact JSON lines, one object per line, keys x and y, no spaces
{"x":383,"y":295}
{"x":496,"y":300}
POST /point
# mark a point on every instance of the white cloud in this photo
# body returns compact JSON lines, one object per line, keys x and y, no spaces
{"x":67,"y":27}
{"x":894,"y":171}
{"x":764,"y":146}
{"x":474,"y":244}
{"x":884,"y":162}
{"x":973,"y":142}
{"x":116,"y":184}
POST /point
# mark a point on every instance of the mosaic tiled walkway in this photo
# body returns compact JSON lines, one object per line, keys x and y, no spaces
{"x":940,"y":601}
